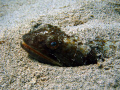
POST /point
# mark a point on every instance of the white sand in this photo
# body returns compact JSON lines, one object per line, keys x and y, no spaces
{"x":86,"y":19}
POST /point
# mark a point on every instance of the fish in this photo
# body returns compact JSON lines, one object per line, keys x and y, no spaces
{"x":50,"y":45}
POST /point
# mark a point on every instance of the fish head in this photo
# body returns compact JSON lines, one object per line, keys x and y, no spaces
{"x":44,"y":42}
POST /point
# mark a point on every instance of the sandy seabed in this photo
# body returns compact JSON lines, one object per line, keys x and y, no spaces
{"x":86,"y":19}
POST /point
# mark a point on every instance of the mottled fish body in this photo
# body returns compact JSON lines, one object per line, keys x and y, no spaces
{"x":51,"y":45}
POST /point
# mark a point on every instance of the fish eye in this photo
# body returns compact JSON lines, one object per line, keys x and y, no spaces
{"x":53,"y":44}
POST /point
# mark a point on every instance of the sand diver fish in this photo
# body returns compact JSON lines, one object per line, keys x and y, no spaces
{"x":48,"y":44}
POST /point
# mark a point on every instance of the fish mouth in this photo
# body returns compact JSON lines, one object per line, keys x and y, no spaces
{"x":33,"y":51}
